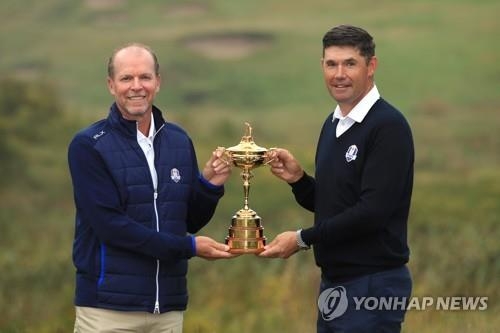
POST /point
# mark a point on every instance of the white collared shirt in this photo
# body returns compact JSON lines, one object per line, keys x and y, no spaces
{"x":357,"y":114}
{"x":146,"y":144}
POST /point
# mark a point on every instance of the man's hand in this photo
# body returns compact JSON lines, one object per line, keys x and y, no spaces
{"x":284,"y":165}
{"x":217,"y":169}
{"x":209,"y":249}
{"x":283,"y":246}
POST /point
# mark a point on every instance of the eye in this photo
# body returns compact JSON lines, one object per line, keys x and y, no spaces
{"x":350,"y":63}
{"x":146,"y":77}
{"x":330,"y":64}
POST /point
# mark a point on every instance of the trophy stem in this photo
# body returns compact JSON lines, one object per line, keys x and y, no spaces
{"x":246,"y":175}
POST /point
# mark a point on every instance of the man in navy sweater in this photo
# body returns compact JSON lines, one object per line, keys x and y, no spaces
{"x":139,"y":199}
{"x":360,"y":195}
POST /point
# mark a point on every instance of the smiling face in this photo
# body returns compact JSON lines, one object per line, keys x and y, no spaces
{"x":134,"y":82}
{"x":348,"y":75}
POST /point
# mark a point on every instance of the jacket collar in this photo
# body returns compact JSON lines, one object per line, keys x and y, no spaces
{"x":129,"y":127}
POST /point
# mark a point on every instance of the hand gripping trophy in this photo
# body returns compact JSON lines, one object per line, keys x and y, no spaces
{"x":246,"y":234}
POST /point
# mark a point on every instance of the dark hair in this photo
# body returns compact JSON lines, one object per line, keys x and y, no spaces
{"x":348,"y":35}
{"x":111,"y":67}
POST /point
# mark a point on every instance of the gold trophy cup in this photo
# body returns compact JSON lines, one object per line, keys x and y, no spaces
{"x":246,"y":234}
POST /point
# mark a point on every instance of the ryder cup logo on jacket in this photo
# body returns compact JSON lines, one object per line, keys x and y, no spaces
{"x":175,"y":175}
{"x":351,"y":153}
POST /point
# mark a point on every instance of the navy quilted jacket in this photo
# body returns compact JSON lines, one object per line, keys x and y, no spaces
{"x":131,"y":241}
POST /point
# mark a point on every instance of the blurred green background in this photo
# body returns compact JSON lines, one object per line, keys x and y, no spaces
{"x":227,"y":62}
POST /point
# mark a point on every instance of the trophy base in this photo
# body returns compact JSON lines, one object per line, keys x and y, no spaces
{"x":241,"y":246}
{"x":246,"y":235}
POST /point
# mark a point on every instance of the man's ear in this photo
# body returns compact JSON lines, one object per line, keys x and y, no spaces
{"x":159,"y":78}
{"x":111,"y":86}
{"x":372,"y":66}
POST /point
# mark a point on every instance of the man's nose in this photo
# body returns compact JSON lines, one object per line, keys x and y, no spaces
{"x":340,"y":72}
{"x":136,"y":84}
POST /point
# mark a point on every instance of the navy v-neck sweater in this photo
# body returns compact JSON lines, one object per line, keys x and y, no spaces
{"x":360,"y":195}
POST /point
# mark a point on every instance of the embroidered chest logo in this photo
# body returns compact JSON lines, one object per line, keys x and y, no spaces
{"x":351,"y":153}
{"x":175,"y":175}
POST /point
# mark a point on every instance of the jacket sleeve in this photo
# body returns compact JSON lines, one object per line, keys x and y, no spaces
{"x":99,"y":210}
{"x":203,"y":201}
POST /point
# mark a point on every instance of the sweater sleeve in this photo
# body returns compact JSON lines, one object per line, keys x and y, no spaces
{"x":303,"y":190}
{"x":98,"y":208}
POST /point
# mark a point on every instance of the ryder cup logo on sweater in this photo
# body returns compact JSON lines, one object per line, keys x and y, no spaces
{"x":332,"y":303}
{"x":175,"y":175}
{"x":351,"y":153}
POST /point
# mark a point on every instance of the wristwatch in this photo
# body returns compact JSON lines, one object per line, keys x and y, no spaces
{"x":300,"y":243}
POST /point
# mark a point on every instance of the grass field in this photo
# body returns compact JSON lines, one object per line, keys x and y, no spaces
{"x":226,"y":62}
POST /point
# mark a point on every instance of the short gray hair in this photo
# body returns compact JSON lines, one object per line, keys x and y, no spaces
{"x":111,"y":67}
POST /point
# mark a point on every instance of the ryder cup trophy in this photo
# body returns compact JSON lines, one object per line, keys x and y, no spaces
{"x":246,"y":234}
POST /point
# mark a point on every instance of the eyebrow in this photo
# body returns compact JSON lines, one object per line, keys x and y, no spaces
{"x":351,"y":59}
{"x":140,"y":75}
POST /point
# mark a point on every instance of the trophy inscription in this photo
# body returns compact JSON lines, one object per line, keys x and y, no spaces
{"x":246,"y":234}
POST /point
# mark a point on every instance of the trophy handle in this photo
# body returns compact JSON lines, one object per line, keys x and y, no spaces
{"x":267,"y":155}
{"x":226,"y":156}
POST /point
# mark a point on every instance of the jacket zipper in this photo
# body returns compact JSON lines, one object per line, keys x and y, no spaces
{"x":157,"y":296}
{"x":157,"y":301}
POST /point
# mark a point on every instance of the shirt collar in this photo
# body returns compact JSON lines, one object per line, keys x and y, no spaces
{"x":359,"y":112}
{"x":152,"y":130}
